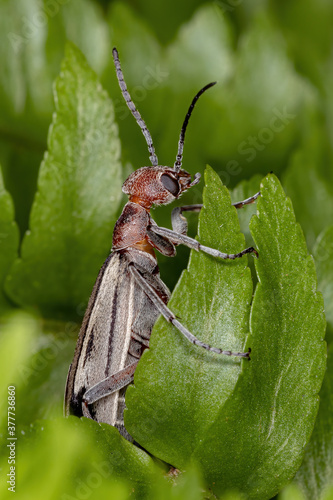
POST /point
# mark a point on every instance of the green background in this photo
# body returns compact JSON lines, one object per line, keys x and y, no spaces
{"x":271,"y":111}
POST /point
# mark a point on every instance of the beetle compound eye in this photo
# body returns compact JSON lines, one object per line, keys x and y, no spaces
{"x":170,"y":184}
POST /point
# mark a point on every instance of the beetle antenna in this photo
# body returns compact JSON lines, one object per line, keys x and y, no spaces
{"x":132,"y":108}
{"x":179,"y":157}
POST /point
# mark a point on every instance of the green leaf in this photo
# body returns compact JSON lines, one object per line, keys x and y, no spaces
{"x":207,"y":39}
{"x":328,"y":495}
{"x":45,"y":372}
{"x":79,"y":459}
{"x":18,"y":337}
{"x":258,"y":439}
{"x":34,"y":36}
{"x":20,"y":167}
{"x":257,"y":120}
{"x":308,"y":181}
{"x":316,"y":472}
{"x":291,"y":492}
{"x":165,"y":19}
{"x":246,"y":189}
{"x":249,"y":433}
{"x":39,"y":375}
{"x":177,"y":485}
{"x":137,"y":46}
{"x":9,"y":240}
{"x":323,"y":255}
{"x":232,"y":495}
{"x":79,"y":189}
{"x":179,"y":388}
{"x":299,"y":19}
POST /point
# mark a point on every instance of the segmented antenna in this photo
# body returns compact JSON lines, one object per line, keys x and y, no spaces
{"x":132,"y":108}
{"x":179,"y":157}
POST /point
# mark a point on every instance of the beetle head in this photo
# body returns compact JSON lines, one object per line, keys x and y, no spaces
{"x":157,"y":185}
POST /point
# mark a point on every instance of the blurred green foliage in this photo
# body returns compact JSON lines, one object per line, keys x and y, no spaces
{"x":272,"y":110}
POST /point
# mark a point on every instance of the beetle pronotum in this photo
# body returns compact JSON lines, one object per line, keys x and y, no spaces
{"x":129,"y":295}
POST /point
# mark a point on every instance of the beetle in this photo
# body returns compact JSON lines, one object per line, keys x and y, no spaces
{"x":129,"y":295}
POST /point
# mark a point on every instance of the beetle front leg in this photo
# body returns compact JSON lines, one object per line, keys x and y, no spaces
{"x":182,"y":239}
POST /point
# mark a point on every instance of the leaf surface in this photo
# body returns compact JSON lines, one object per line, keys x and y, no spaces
{"x":180,"y":388}
{"x":316,"y":472}
{"x":257,"y":441}
{"x":9,"y":240}
{"x":323,"y":255}
{"x":250,"y":433}
{"x":79,"y":189}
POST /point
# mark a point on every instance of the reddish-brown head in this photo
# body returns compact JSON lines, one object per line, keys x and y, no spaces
{"x":157,"y":185}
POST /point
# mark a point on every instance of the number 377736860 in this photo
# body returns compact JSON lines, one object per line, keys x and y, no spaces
{"x":129,"y":294}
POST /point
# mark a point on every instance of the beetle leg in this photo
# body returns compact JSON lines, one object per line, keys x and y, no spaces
{"x":248,"y":201}
{"x":108,"y":386}
{"x":182,"y":239}
{"x":171,"y":318}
